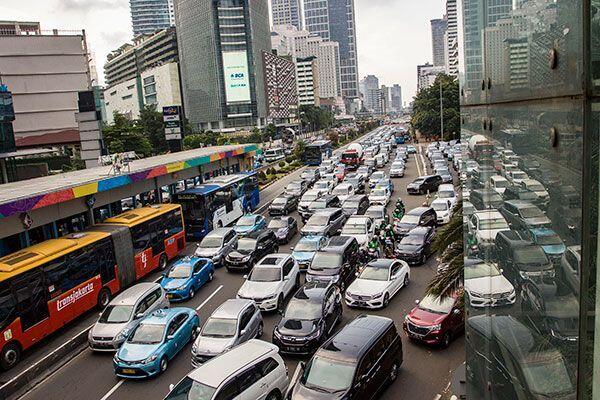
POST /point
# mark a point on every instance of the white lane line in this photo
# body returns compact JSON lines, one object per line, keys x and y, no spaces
{"x":423,"y":161}
{"x":417,"y":162}
{"x":111,"y":391}
{"x":209,"y":297}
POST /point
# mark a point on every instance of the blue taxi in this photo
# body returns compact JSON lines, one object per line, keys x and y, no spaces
{"x":186,"y":276}
{"x":249,"y":223}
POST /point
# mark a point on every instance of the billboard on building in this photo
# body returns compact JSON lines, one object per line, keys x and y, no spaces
{"x":237,"y":82}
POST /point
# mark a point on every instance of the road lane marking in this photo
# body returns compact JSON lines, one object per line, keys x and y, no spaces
{"x":417,"y":163}
{"x":114,"y":388}
{"x":209,"y":297}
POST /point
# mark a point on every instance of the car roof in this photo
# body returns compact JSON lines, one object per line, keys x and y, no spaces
{"x":488,"y":214}
{"x":326,"y":211}
{"x":419,"y":230}
{"x":219,"y":232}
{"x":354,"y":339}
{"x":543,"y":231}
{"x":359,"y":218}
{"x":231,"y":308}
{"x":279,"y":258}
{"x":376,"y":207}
{"x":217,"y":370}
{"x":311,"y":238}
{"x":132,"y":294}
{"x":257,"y":234}
{"x":419,"y":210}
{"x":164,"y":315}
{"x":520,"y":203}
{"x":446,"y":186}
{"x":356,"y":197}
{"x":337,"y":243}
{"x":312,"y":291}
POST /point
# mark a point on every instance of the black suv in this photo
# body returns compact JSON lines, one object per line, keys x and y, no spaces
{"x":521,"y":214}
{"x":522,"y":261}
{"x":424,"y":184}
{"x":420,"y":216}
{"x":326,"y":201}
{"x":250,"y":249}
{"x":283,"y":205}
{"x":356,"y":205}
{"x":309,"y":318}
{"x":483,"y":199}
{"x":361,"y":360}
{"x":514,"y":192}
{"x":336,"y":262}
{"x":415,"y":247}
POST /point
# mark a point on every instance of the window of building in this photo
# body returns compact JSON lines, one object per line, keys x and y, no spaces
{"x":127,"y":97}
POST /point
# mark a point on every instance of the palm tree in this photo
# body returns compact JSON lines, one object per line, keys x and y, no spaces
{"x":449,"y":243}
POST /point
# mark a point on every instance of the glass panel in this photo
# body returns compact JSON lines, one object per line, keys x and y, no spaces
{"x":595,"y":45}
{"x":523,"y":295}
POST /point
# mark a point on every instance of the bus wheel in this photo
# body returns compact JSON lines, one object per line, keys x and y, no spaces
{"x":162,"y":262}
{"x":104,"y":298}
{"x":11,"y":355}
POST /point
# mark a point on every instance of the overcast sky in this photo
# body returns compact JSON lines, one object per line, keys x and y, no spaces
{"x":393,"y":35}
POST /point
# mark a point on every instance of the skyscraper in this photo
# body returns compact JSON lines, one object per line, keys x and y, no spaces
{"x":451,"y":38}
{"x":396,"y":97}
{"x":334,"y":20}
{"x":371,"y":94}
{"x":220,"y":46}
{"x":286,"y":12}
{"x":438,"y":32}
{"x":149,"y":16}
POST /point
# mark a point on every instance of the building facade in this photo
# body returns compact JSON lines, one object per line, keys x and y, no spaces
{"x":149,"y":16}
{"x":334,"y":20}
{"x":146,"y":51}
{"x":286,"y":12}
{"x":155,"y":87}
{"x":396,"y":97}
{"x":371,"y":93}
{"x":544,"y":108}
{"x":438,"y":45}
{"x":426,"y":75}
{"x":220,"y":46}
{"x":307,"y":81}
{"x":280,"y":89}
{"x":451,"y":55}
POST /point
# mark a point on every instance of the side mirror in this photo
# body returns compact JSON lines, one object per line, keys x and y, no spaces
{"x":171,"y":387}
{"x":242,"y":332}
{"x":417,"y":302}
{"x":245,"y":276}
{"x":139,"y":315}
{"x":286,"y":278}
{"x":456,"y":311}
{"x":292,"y":248}
{"x":170,"y":337}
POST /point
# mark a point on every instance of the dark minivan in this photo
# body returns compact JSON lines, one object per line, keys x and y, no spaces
{"x":250,"y":249}
{"x":356,"y":364}
{"x":420,"y":216}
{"x":424,"y":184}
{"x":337,"y":262}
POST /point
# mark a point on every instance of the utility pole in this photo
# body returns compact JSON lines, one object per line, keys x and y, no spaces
{"x":441,"y":111}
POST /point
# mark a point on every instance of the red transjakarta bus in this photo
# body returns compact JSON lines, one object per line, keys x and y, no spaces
{"x":47,"y":285}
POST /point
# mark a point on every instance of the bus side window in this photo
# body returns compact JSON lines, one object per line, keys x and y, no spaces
{"x":57,"y":276}
{"x":83,"y":266}
{"x":173,"y":222}
{"x":141,"y":237}
{"x":7,"y":304}
{"x":108,"y":261}
{"x":32,"y":299}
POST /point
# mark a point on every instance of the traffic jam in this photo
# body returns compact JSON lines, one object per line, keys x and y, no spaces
{"x":306,"y":291}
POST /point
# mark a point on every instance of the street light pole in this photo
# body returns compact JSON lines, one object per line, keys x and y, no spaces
{"x":441,"y":111}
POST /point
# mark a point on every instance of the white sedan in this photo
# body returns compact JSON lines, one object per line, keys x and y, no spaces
{"x":377,"y":283}
{"x":380,"y":196}
{"x":359,"y":227}
{"x":486,"y":286}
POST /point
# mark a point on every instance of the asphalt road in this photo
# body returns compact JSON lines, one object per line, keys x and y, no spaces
{"x":425,"y":371}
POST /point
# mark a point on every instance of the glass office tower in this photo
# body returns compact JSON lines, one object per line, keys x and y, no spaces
{"x":530,"y":125}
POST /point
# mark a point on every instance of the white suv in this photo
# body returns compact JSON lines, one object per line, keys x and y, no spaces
{"x":251,"y":371}
{"x":272,"y":279}
{"x":485,"y":225}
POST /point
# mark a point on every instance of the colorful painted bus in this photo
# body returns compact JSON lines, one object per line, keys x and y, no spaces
{"x":47,"y":285}
{"x":218,"y":202}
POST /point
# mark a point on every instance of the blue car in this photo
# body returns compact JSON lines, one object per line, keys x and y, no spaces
{"x":411,"y":149}
{"x":305,"y":250}
{"x":550,"y":242}
{"x":386,"y":183}
{"x":249,"y":223}
{"x":156,"y":340}
{"x":186,"y":276}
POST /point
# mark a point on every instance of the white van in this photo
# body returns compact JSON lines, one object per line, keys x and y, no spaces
{"x":253,"y":370}
{"x":499,"y":183}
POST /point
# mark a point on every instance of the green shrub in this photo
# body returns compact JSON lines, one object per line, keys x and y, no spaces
{"x":281,"y":164}
{"x":289,"y":159}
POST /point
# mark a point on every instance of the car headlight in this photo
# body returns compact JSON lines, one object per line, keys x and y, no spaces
{"x":276,"y":333}
{"x":314,"y":335}
{"x":436,"y":327}
{"x":335,"y":278}
{"x":530,"y":274}
{"x":377,"y":295}
{"x":309,"y":278}
{"x":247,"y":258}
{"x":123,"y":334}
{"x":150,"y":359}
{"x":476,"y":294}
{"x":194,"y":348}
{"x":116,"y":358}
{"x":182,"y":287}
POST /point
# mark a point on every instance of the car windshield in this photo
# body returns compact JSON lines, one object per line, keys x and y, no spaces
{"x":375,"y":214}
{"x":412,"y":240}
{"x":180,"y":271}
{"x":410,"y":219}
{"x":531,"y":212}
{"x":328,"y":375}
{"x":147,"y":334}
{"x":318,"y":205}
{"x":440,"y":206}
{"x":211,"y":242}
{"x":354,"y":229}
{"x":446,"y":194}
{"x":189,"y":389}
{"x":294,"y":186}
{"x":518,"y":175}
{"x":278,"y":223}
{"x":530,"y":255}
{"x":220,"y":327}
{"x":303,"y":310}
{"x":374,"y":273}
{"x":378,"y":192}
{"x":116,"y":314}
{"x":350,"y":204}
{"x":246,"y":244}
{"x":495,"y":223}
{"x":480,"y":270}
{"x":307,"y":246}
{"x":546,"y":373}
{"x":549,"y":239}
{"x":419,"y":180}
{"x":265,"y":275}
{"x":280,"y":200}
{"x":536,"y":187}
{"x":318,"y":220}
{"x":310,"y":197}
{"x":321,"y":185}
{"x":246,"y":221}
{"x":437,"y":305}
{"x":323,"y":260}
{"x":377,"y":175}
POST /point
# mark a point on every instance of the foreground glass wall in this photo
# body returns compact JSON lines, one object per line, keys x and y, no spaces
{"x":523,"y":113}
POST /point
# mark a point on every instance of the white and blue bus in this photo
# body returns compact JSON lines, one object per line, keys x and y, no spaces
{"x":217,"y":202}
{"x":317,"y":151}
{"x":274,"y":154}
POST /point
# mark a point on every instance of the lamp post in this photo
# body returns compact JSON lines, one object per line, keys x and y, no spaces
{"x":441,"y":111}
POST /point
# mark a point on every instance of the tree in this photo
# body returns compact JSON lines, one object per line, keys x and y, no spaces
{"x":426,"y":109}
{"x":116,"y":146}
{"x":449,"y":243}
{"x":126,"y":135}
{"x":270,"y":132}
{"x":315,"y":118}
{"x":334,"y":137}
{"x":152,"y":126}
{"x":193,"y":141}
{"x":300,"y":149}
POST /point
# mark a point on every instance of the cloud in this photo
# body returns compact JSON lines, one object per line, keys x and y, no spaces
{"x":87,"y":6}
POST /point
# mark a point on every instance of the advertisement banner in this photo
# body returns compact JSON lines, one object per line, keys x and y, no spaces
{"x":237,"y":82}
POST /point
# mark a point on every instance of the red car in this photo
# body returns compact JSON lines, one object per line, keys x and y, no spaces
{"x":434,"y":321}
{"x":340,"y":172}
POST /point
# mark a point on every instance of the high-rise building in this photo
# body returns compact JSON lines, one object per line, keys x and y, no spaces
{"x":286,"y":12}
{"x":149,"y":16}
{"x":307,"y":81}
{"x":334,"y":20}
{"x":438,"y":32}
{"x":451,"y":38}
{"x":371,"y":93}
{"x":385,"y":99}
{"x":287,"y":40}
{"x":396,"y":97}
{"x":426,"y":75}
{"x":220,"y":50}
{"x":280,"y":89}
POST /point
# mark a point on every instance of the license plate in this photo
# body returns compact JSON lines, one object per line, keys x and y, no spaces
{"x":128,"y":371}
{"x":361,"y":303}
{"x":169,"y":296}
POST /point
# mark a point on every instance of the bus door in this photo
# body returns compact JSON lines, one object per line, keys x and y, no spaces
{"x":157,"y":242}
{"x":31,"y":296}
